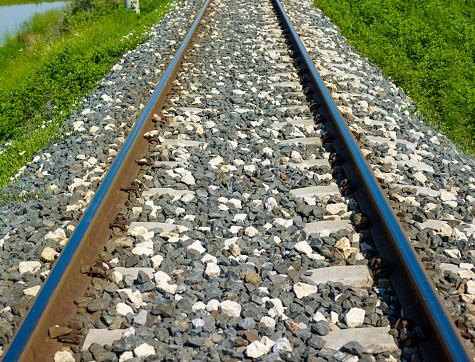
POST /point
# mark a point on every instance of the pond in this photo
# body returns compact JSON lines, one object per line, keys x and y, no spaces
{"x":12,"y":16}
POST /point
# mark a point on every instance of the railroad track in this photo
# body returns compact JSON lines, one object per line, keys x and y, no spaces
{"x":240,"y":220}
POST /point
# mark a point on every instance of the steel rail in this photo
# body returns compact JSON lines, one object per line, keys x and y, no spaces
{"x":31,"y":342}
{"x":415,"y":290}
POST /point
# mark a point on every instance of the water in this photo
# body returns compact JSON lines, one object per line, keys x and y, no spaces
{"x":12,"y":16}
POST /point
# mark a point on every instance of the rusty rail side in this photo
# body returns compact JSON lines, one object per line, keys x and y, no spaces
{"x":414,"y":288}
{"x":55,"y":302}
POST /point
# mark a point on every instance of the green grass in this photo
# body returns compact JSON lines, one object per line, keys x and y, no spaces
{"x":25,"y":47}
{"x":63,"y":57}
{"x":19,"y":2}
{"x":426,"y":46}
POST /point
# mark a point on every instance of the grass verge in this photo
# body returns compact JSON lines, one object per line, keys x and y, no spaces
{"x":20,"y":2}
{"x":63,"y":57}
{"x":426,"y":46}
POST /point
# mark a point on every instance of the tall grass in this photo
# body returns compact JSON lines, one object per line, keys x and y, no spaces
{"x":27,"y":46}
{"x":426,"y":46}
{"x":20,"y":2}
{"x":61,"y":61}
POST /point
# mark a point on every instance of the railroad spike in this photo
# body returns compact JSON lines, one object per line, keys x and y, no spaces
{"x":335,"y":159}
{"x":347,"y":187}
{"x":146,"y":161}
{"x":121,"y":222}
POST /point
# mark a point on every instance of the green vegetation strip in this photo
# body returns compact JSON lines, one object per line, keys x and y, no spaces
{"x":426,"y":46}
{"x":20,"y":2}
{"x":55,"y":60}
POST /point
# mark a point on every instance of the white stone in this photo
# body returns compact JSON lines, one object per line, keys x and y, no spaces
{"x":124,"y":242}
{"x":126,"y":356}
{"x":251,"y":231}
{"x":237,"y":203}
{"x":334,"y":209}
{"x":466,"y":274}
{"x":142,"y":250}
{"x":188,"y":179}
{"x":239,"y":217}
{"x":228,"y":168}
{"x":58,"y":235}
{"x":198,"y":323}
{"x":209,"y":258}
{"x":29,"y":266}
{"x":116,"y":277}
{"x":471,"y":287}
{"x":355,"y":317}
{"x":157,"y":260}
{"x":128,"y":332}
{"x":303,"y":247}
{"x":419,"y":176}
{"x":268,"y":151}
{"x":333,"y":317}
{"x":187,"y":197}
{"x":231,"y":308}
{"x":302,"y":289}
{"x":447,"y":196}
{"x":124,"y":309}
{"x":198,"y":306}
{"x":213,"y":304}
{"x":151,"y":134}
{"x":296,"y":157}
{"x":137,"y":210}
{"x":162,"y":279}
{"x":453,"y":253}
{"x":286,"y":223}
{"x":316,"y":256}
{"x":268,"y":322}
{"x":250,"y":168}
{"x":235,"y":229}
{"x":63,"y":356}
{"x":139,"y":230}
{"x":259,"y":348}
{"x":343,"y":243}
{"x":32,"y":291}
{"x":212,"y":270}
{"x":49,"y":254}
{"x":317,"y":317}
{"x":216,"y":161}
{"x":445,"y":229}
{"x":144,"y":350}
{"x":467,"y":298}
{"x":282,"y":345}
{"x":271,"y":203}
{"x":197,"y":246}
{"x":134,"y":296}
{"x":278,"y":309}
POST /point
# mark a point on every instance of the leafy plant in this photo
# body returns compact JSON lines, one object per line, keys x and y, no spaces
{"x":426,"y":46}
{"x":41,"y":85}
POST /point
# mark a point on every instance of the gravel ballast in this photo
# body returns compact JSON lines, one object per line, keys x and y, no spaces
{"x":231,"y":231}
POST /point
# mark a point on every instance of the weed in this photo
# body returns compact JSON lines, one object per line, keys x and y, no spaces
{"x":427,"y":47}
{"x":61,"y":61}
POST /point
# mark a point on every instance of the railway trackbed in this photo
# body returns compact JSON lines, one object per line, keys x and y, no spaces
{"x":242,"y":220}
